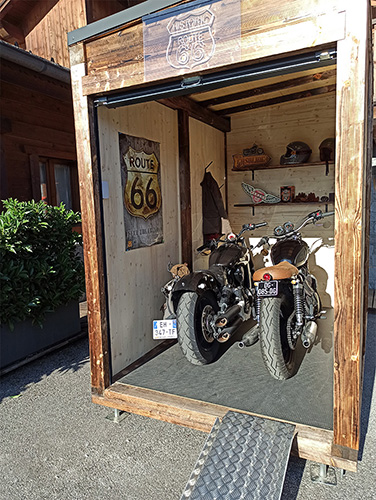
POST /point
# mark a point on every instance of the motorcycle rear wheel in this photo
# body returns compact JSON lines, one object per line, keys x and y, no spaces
{"x":194,"y":333}
{"x":277,"y":355}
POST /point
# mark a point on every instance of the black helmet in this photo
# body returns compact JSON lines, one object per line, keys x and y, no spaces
{"x":327,"y":149}
{"x":296,"y":152}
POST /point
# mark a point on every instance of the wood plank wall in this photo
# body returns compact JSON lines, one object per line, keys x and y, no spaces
{"x":206,"y":145}
{"x":48,"y":38}
{"x":39,"y":117}
{"x":311,"y":121}
{"x":135,"y":277}
{"x":48,"y":23}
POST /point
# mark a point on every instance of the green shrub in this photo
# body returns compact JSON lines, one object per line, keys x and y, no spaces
{"x":40,"y":268}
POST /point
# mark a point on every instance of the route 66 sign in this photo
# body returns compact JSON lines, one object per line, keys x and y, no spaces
{"x":140,"y":171}
{"x":191,"y":39}
{"x":142,"y":194}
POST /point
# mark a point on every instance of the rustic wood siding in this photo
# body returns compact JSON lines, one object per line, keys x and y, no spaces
{"x":38,"y":115}
{"x":48,"y":38}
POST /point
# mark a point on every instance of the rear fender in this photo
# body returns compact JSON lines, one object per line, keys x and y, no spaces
{"x":198,"y":282}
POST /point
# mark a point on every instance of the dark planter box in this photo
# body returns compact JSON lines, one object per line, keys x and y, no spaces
{"x":28,"y":339}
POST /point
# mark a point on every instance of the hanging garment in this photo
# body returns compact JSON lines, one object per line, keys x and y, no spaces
{"x":213,"y":209}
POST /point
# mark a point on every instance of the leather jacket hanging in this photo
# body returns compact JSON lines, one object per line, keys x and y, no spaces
{"x":213,"y":209}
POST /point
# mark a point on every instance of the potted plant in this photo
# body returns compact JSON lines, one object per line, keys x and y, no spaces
{"x":41,"y":278}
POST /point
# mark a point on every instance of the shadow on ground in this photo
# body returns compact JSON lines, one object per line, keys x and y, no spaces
{"x":16,"y":382}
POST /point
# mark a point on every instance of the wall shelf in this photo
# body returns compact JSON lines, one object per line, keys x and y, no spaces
{"x":290,"y":203}
{"x":271,"y":167}
{"x":253,"y":168}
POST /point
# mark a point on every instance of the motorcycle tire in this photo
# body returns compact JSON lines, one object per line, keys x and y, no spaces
{"x":196,"y":341}
{"x":278,"y":357}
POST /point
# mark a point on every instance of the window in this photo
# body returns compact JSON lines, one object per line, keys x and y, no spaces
{"x":58,"y":182}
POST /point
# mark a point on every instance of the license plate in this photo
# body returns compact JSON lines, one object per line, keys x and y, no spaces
{"x":164,"y":329}
{"x":267,"y":288}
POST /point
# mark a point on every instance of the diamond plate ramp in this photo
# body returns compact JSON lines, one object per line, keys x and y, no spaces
{"x":245,"y":457}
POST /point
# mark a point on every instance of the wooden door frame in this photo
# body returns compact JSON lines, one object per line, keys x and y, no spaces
{"x":351,"y":222}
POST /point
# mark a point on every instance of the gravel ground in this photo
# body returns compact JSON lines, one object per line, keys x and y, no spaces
{"x":56,"y":444}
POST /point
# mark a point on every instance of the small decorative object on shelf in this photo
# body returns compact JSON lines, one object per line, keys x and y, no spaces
{"x":312,"y":197}
{"x":251,"y":157}
{"x":287,"y":193}
{"x":301,"y":197}
{"x":331,"y":197}
{"x":324,"y":199}
{"x":258,"y":195}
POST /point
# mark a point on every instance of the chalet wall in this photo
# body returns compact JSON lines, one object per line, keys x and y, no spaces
{"x":49,"y":37}
{"x":37,"y":118}
{"x":135,"y":277}
{"x":206,"y":145}
{"x":310,"y":120}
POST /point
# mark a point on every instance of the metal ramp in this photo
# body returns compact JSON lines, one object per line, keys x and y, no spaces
{"x":245,"y":457}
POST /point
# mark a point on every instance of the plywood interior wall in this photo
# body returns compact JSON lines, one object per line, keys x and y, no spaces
{"x":135,"y":277}
{"x":207,"y":144}
{"x":310,"y":120}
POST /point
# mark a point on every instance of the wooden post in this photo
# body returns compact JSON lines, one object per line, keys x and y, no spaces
{"x":88,"y":171}
{"x":185,"y":188}
{"x":351,"y":225}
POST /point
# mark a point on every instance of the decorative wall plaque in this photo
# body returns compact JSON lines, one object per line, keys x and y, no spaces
{"x":258,"y":195}
{"x":141,"y":179}
{"x":195,"y":35}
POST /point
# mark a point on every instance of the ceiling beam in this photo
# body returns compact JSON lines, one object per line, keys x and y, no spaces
{"x":278,"y":100}
{"x":13,"y":31}
{"x":198,"y":112}
{"x":274,"y":87}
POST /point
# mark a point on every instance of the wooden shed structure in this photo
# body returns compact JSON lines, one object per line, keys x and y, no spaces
{"x":201,"y":81}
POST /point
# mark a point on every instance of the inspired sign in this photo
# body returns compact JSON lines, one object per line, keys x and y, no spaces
{"x":142,"y":194}
{"x":197,"y":35}
{"x":191,"y":40}
{"x":141,"y":177}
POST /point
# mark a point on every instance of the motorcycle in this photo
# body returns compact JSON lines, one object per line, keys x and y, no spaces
{"x":287,"y":302}
{"x":211,"y":304}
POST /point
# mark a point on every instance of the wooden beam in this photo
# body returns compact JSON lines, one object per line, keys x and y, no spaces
{"x":88,"y":170}
{"x":13,"y":31}
{"x":117,"y":60}
{"x":350,"y":226}
{"x":266,"y":89}
{"x":185,"y":188}
{"x":198,"y":112}
{"x":278,"y":100}
{"x":310,"y":443}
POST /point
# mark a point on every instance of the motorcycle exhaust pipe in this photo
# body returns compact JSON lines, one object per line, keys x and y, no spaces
{"x":249,"y":338}
{"x":228,"y":332}
{"x":228,"y":316}
{"x":309,"y":334}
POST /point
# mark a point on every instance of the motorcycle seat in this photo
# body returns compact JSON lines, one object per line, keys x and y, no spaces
{"x":281,"y":271}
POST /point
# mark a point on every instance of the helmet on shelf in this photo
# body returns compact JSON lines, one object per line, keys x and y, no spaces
{"x":327,"y":149}
{"x":296,"y":152}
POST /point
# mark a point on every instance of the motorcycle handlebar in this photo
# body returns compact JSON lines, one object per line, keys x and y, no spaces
{"x":312,"y":217}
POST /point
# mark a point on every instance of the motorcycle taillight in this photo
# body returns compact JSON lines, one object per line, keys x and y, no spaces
{"x":267,"y":277}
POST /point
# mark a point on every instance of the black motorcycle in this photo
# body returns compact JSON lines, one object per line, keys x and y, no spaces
{"x":287,"y":303}
{"x":211,"y":304}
